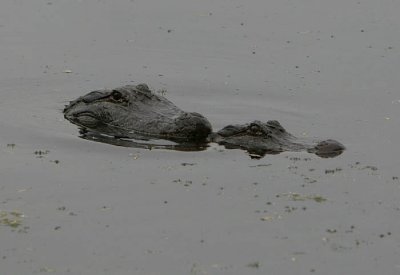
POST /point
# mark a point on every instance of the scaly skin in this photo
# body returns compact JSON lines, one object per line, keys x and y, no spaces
{"x":259,"y":138}
{"x":136,"y":112}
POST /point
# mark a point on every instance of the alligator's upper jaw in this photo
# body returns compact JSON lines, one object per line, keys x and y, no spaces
{"x":82,"y":114}
{"x":86,"y":99}
{"x":84,"y":118}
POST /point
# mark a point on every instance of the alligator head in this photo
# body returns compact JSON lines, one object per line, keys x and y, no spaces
{"x":136,"y":112}
{"x":260,"y":138}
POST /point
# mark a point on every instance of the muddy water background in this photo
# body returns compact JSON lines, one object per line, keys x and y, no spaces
{"x":322,"y":68}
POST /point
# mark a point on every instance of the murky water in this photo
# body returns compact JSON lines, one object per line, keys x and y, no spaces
{"x":323,"y":69}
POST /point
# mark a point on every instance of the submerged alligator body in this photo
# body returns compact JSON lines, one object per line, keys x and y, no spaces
{"x":135,"y":112}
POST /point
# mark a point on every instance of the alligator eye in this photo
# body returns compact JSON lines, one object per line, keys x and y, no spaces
{"x":254,"y":128}
{"x":116,"y":95}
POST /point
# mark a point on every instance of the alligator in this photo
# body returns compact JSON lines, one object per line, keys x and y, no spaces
{"x":133,"y":115}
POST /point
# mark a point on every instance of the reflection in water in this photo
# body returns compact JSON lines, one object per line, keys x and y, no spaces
{"x":254,"y":153}
{"x":142,"y":142}
{"x":331,"y":154}
{"x":323,"y":149}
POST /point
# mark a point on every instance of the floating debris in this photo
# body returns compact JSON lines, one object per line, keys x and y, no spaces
{"x":274,"y":216}
{"x":254,"y":264}
{"x":41,"y":153}
{"x":372,"y":168}
{"x":300,"y":197}
{"x":185,"y":183}
{"x":47,"y":269}
{"x":135,"y":156}
{"x":12,"y":219}
{"x":332,"y":171}
{"x":23,"y":189}
{"x":188,"y":164}
{"x":261,"y":165}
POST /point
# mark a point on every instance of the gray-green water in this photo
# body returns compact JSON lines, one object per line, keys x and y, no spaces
{"x":322,"y":68}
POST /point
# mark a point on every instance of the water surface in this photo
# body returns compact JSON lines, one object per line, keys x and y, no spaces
{"x":323,"y":69}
